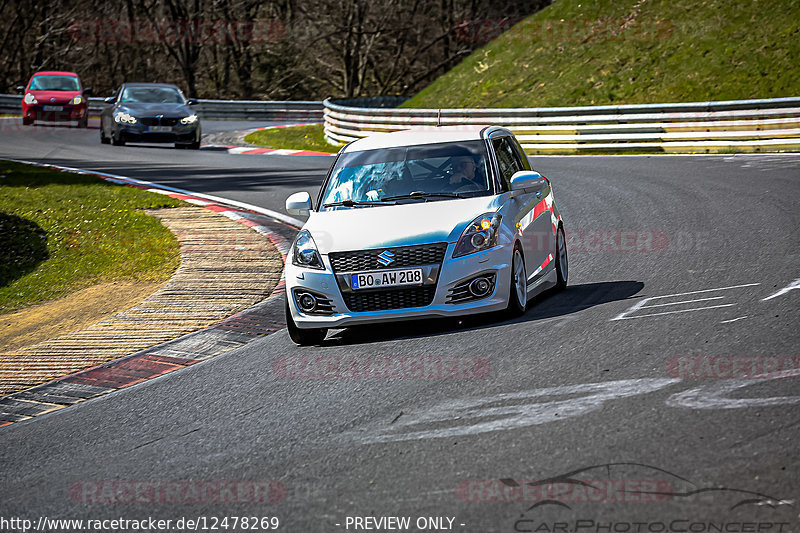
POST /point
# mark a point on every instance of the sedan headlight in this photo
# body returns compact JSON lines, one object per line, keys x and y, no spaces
{"x":125,"y":117}
{"x":191,"y":119}
{"x":480,"y":234}
{"x":77,"y":100}
{"x":30,"y":99}
{"x":304,"y":252}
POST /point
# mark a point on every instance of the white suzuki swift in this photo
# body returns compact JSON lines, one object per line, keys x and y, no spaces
{"x":425,"y":223}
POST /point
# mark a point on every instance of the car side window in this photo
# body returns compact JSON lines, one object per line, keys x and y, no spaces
{"x":526,"y":165}
{"x":507,"y":159}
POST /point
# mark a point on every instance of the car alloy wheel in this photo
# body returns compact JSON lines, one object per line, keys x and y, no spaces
{"x":303,"y":337}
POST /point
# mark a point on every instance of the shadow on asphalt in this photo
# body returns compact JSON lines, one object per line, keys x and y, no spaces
{"x":547,"y":306}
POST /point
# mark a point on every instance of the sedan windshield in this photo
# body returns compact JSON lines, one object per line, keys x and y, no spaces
{"x":151,"y":95}
{"x":425,"y":172}
{"x":55,"y":83}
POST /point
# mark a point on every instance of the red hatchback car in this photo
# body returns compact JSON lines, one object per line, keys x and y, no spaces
{"x":55,"y":97}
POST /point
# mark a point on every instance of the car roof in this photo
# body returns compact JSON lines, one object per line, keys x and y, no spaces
{"x":142,"y":84}
{"x":54,"y":73}
{"x":421,"y":135}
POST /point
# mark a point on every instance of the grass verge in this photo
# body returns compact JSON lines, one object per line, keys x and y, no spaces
{"x":576,"y":52}
{"x":311,"y":138}
{"x":61,"y":232}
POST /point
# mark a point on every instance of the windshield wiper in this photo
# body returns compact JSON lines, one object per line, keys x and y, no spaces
{"x":423,"y":194}
{"x":352,"y":203}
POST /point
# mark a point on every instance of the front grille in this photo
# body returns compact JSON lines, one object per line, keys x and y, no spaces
{"x":405,"y":256}
{"x":153,"y":121}
{"x":381,"y":300}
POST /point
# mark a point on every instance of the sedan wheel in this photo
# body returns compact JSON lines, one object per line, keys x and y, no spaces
{"x":562,"y":265}
{"x":518,"y":292}
{"x":116,"y":140}
{"x":303,"y":337}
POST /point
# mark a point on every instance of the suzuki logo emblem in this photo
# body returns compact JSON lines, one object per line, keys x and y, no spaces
{"x":386,"y":258}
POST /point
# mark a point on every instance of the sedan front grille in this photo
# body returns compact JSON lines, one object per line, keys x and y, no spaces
{"x":405,"y":256}
{"x":164,"y":121}
{"x":381,"y":300}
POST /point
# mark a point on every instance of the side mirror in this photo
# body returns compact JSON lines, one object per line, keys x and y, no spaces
{"x":191,"y":101}
{"x":110,"y":100}
{"x":87,"y":91}
{"x":299,"y":204}
{"x":20,"y":88}
{"x":528,"y":180}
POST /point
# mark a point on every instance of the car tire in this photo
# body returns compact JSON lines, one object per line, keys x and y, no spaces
{"x":117,"y":141}
{"x":103,"y":138}
{"x":562,"y":264}
{"x":83,"y":123}
{"x":303,"y":337}
{"x":27,"y":121}
{"x":518,"y":289}
{"x":194,"y":146}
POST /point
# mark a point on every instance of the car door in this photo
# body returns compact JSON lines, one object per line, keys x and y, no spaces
{"x":530,"y":212}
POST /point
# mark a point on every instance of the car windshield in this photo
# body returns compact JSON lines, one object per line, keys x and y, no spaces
{"x":410,"y":173}
{"x":55,"y":83}
{"x":151,"y":95}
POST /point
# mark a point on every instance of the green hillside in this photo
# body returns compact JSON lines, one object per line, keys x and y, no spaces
{"x":583,"y":52}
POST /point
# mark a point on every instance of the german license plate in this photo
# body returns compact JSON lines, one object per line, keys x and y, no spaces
{"x":387,"y":278}
{"x":53,"y":108}
{"x":160,"y":129}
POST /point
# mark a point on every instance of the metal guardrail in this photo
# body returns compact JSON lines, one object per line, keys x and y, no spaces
{"x":275,"y":111}
{"x":736,"y":125}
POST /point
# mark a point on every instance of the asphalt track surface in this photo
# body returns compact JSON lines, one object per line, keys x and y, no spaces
{"x":582,"y":380}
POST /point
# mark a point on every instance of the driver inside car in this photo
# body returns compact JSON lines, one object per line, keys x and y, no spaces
{"x":463,"y":174}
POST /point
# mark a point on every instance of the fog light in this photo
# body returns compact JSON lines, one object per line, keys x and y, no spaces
{"x":307,"y":302}
{"x":480,"y":287}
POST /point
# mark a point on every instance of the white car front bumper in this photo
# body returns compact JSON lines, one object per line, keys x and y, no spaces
{"x":453,"y":272}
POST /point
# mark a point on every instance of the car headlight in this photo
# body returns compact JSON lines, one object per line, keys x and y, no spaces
{"x":125,"y":117}
{"x":191,"y":119}
{"x":304,"y":252}
{"x":30,"y":99}
{"x":480,"y":234}
{"x":77,"y":100}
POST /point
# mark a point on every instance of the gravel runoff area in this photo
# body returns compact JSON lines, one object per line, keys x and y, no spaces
{"x":226,"y":267}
